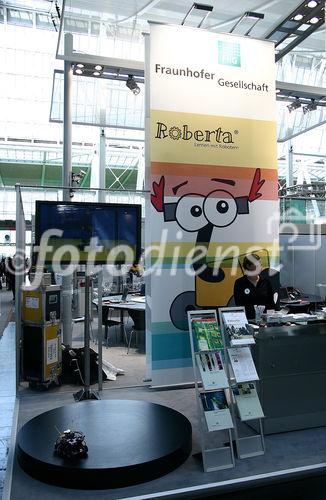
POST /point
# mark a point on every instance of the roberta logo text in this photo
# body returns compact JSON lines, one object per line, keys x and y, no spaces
{"x":184,"y":133}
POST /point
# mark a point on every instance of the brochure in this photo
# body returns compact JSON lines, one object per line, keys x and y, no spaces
{"x":206,"y":334}
{"x":237,"y":328}
{"x":247,"y":400}
{"x":216,"y":410}
{"x":242,"y":364}
{"x":211,"y":370}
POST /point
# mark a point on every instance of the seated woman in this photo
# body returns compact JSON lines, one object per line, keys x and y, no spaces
{"x":252,"y":289}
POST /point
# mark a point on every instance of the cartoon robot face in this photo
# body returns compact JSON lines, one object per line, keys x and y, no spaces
{"x":219,"y":208}
{"x":194,"y":211}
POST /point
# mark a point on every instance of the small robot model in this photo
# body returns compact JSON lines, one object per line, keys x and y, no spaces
{"x":70,"y":445}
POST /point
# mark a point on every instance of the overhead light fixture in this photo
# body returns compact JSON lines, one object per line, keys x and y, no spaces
{"x":312,"y":106}
{"x":257,"y":16}
{"x":207,"y":9}
{"x":79,"y":71}
{"x":80,"y":65}
{"x":304,"y":20}
{"x":98,"y":67}
{"x":132,"y":85}
{"x":96,"y":73}
{"x":294,"y":105}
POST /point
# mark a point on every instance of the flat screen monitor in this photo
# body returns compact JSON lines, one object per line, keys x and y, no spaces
{"x":89,"y":227}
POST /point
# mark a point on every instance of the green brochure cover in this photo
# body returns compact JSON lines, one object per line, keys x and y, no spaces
{"x":206,"y":334}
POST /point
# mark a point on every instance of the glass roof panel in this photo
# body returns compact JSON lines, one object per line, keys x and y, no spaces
{"x":99,"y":101}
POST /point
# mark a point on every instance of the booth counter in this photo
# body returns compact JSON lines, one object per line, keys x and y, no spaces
{"x":291,"y":363}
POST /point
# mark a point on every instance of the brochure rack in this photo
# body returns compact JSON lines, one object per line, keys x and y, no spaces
{"x":208,"y":353}
{"x":254,"y":445}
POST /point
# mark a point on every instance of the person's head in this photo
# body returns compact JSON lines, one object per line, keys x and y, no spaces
{"x":252,"y":264}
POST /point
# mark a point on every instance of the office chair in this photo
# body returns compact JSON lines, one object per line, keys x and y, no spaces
{"x":138,"y":318}
{"x":108,"y":322}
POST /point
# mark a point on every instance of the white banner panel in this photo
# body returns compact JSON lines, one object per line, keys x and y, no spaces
{"x":213,"y":178}
{"x":215,"y":74}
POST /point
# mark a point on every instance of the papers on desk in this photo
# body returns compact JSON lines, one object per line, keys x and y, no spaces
{"x":304,"y":316}
{"x":113,"y":302}
{"x":142,"y":300}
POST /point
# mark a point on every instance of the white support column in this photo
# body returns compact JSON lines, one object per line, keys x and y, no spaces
{"x":66,"y":177}
{"x":141,"y":172}
{"x":289,"y":165}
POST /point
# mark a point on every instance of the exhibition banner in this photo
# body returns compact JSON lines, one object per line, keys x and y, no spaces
{"x":212,"y":175}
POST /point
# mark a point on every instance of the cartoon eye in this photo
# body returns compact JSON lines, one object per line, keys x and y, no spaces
{"x":220,"y":208}
{"x":190,"y":213}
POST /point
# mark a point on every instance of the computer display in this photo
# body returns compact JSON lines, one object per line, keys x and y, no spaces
{"x":89,"y":227}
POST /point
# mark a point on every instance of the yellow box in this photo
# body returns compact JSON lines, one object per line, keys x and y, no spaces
{"x":41,"y":305}
{"x":41,"y":352}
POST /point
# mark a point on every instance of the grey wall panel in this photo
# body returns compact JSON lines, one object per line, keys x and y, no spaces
{"x":305,"y":267}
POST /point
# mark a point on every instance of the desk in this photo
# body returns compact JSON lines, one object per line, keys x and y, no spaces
{"x":290,"y":362}
{"x":136,"y":310}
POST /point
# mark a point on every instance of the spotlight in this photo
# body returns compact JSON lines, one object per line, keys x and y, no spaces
{"x":79,"y":71}
{"x":314,"y":20}
{"x":294,"y":105}
{"x":132,"y":85}
{"x":310,"y":107}
{"x":98,"y":67}
{"x":96,"y":73}
{"x":256,"y":16}
{"x":312,"y":4}
{"x":298,"y":17}
{"x":80,"y":65}
{"x":207,"y":9}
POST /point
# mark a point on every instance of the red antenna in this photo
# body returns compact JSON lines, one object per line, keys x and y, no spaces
{"x":157,"y":198}
{"x":256,"y":186}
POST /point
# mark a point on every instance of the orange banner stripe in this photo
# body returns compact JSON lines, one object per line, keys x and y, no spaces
{"x":189,"y":170}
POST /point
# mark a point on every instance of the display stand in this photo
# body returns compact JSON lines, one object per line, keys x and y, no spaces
{"x":220,"y":457}
{"x":86,"y":392}
{"x":247,"y":446}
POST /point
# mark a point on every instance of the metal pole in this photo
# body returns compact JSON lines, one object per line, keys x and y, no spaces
{"x":148,"y":236}
{"x":86,"y":334}
{"x":67,"y":117}
{"x":66,"y":178}
{"x":18,"y":282}
{"x":99,"y":329}
{"x":102,"y":163}
{"x":101,"y":199}
{"x":86,"y":392}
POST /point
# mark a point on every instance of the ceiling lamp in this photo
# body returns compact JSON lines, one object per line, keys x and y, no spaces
{"x":132,"y":85}
{"x":206,"y":9}
{"x":294,"y":105}
{"x":257,"y":16}
{"x":310,"y":107}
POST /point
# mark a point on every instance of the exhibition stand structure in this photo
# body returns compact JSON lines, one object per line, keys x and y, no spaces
{"x":212,"y":171}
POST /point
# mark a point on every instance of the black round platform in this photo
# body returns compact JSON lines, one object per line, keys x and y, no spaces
{"x":129,"y":442}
